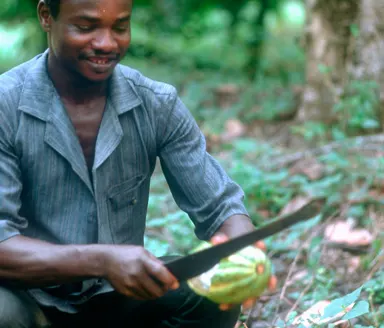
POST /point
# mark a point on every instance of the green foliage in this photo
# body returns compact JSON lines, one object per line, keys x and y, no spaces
{"x":20,"y":42}
{"x":357,"y":110}
{"x":311,"y":130}
{"x":190,"y":34}
{"x":273,"y":190}
{"x":20,"y":34}
{"x":375,"y":288}
{"x":347,"y":307}
{"x":17,"y":9}
{"x":345,"y":178}
{"x":341,"y":304}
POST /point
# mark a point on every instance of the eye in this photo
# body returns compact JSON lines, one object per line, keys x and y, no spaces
{"x":121,"y":28}
{"x":84,"y":28}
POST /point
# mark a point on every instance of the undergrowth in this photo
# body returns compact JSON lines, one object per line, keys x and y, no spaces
{"x":351,"y":183}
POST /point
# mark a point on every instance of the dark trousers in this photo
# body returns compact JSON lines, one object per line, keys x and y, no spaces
{"x":179,"y":308}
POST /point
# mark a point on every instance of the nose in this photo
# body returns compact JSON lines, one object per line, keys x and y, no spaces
{"x":104,"y":42}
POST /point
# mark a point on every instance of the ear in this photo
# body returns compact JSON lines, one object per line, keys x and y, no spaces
{"x":44,"y":16}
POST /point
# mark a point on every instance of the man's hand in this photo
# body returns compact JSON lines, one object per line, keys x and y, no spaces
{"x":250,"y":302}
{"x":136,"y":273}
{"x":233,"y":227}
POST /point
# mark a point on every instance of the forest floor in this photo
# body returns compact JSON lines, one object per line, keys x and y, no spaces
{"x":339,"y":254}
{"x":331,"y":266}
{"x":328,"y":257}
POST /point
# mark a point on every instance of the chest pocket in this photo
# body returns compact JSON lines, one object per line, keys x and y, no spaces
{"x":126,"y":210}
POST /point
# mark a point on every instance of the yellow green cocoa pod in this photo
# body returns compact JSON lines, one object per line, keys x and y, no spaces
{"x":236,"y":278}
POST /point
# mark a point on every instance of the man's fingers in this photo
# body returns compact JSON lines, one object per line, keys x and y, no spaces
{"x":260,"y":244}
{"x":225,"y":307}
{"x":249,"y":303}
{"x":136,"y":292}
{"x":272,"y":283}
{"x":151,"y":287}
{"x":222,"y":238}
{"x":219,"y":238}
{"x":156,"y":269}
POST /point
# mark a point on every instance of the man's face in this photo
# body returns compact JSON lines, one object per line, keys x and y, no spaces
{"x":89,"y":37}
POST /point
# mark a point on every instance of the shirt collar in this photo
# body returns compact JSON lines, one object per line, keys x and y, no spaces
{"x":38,"y":90}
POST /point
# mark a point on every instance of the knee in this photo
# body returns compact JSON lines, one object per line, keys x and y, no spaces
{"x":14,"y":310}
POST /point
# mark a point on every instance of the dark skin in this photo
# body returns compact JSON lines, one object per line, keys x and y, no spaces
{"x":87,"y":40}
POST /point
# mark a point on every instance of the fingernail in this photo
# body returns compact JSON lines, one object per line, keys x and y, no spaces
{"x":249,"y":304}
{"x":272,"y":284}
{"x":175,"y":285}
{"x":224,"y":307}
{"x":219,"y":239}
{"x":260,"y":244}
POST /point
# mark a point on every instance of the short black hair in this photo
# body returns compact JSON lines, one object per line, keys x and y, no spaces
{"x":54,"y":7}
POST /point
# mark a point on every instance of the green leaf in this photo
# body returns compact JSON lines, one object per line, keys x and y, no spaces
{"x":355,"y":31}
{"x":291,"y":317}
{"x":356,"y":211}
{"x":157,"y":222}
{"x":370,"y":124}
{"x":316,"y":241}
{"x":301,"y":326}
{"x":324,"y":69}
{"x":337,"y":134}
{"x":340,"y":304}
{"x":155,"y":246}
{"x":360,"y":308}
{"x":280,"y":323}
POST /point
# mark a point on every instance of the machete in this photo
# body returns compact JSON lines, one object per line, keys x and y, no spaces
{"x":192,"y":265}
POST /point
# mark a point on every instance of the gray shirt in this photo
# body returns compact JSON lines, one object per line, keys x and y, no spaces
{"x":46,"y":191}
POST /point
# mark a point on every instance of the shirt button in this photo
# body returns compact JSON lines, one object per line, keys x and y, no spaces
{"x":134,"y":201}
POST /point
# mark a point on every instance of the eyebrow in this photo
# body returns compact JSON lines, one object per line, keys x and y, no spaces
{"x":95,"y":19}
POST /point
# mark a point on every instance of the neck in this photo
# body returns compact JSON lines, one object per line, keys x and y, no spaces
{"x":72,"y":87}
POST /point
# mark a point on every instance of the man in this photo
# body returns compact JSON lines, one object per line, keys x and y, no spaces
{"x":79,"y":139}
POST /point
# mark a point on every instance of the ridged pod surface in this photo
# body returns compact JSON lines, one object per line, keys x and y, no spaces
{"x":236,"y":278}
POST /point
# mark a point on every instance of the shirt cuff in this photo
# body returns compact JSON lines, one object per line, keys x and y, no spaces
{"x":7,"y":231}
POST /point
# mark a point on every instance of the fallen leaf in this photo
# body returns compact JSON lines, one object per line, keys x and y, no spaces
{"x":376,"y":195}
{"x":233,"y":129}
{"x":226,"y":95}
{"x":295,"y":204}
{"x":342,"y":232}
{"x":298,"y":276}
{"x":354,"y":263}
{"x":310,"y":167}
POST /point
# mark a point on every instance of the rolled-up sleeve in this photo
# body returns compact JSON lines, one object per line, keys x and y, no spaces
{"x":198,"y":183}
{"x":10,"y":180}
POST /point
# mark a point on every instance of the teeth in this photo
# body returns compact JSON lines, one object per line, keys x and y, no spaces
{"x":100,"y":62}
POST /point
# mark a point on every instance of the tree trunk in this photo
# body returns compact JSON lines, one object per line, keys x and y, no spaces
{"x":367,"y":56}
{"x":335,"y":55}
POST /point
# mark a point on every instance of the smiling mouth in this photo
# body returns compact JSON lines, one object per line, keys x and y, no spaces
{"x":100,"y":61}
